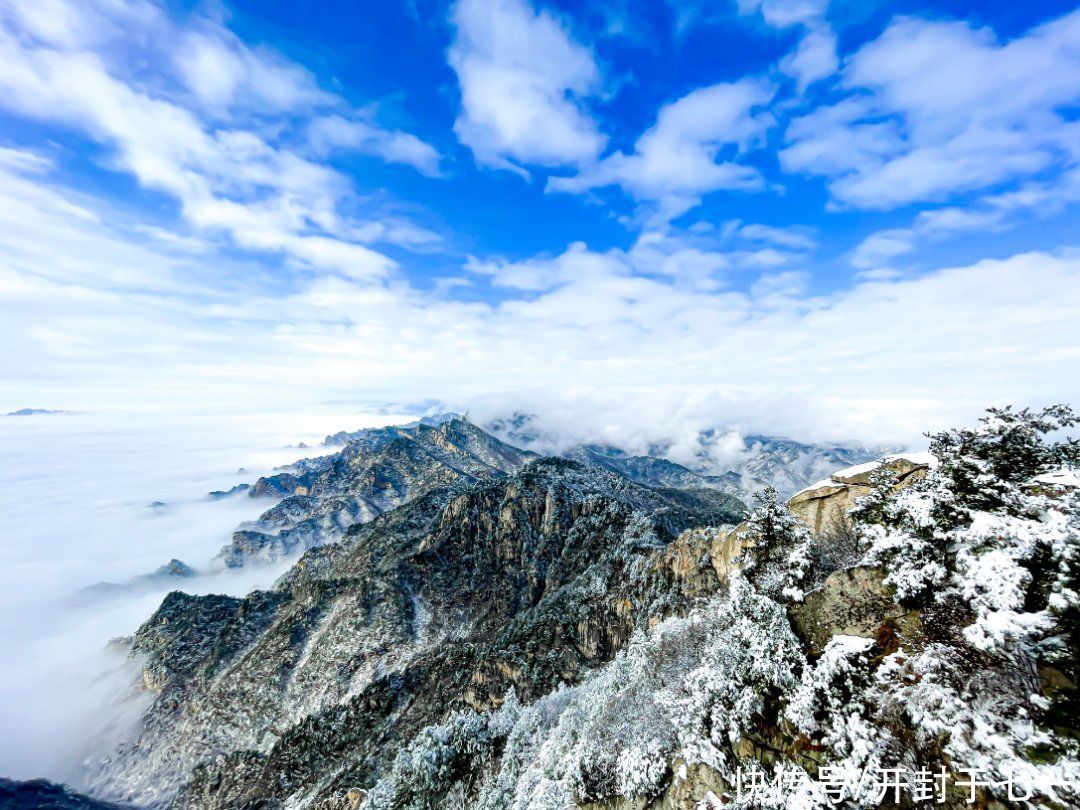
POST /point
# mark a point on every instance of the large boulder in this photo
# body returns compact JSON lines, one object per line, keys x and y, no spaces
{"x":853,"y":602}
{"x":829,"y":500}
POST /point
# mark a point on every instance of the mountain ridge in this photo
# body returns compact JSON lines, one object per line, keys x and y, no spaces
{"x":426,"y":573}
{"x":562,"y":635}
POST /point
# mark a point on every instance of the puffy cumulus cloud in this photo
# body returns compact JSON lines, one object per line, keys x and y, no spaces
{"x":523,"y":83}
{"x":692,"y":149}
{"x":939,"y":108}
{"x":192,"y":112}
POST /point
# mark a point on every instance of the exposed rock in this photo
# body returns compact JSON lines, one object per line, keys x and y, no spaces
{"x":650,"y":469}
{"x":218,"y":494}
{"x":827,"y":501}
{"x":492,"y":629}
{"x":852,"y":602}
{"x":443,"y":568}
{"x":166,"y":576}
{"x":692,"y":787}
{"x":761,"y":461}
{"x":526,"y":581}
{"x":701,"y":560}
{"x":377,"y":470}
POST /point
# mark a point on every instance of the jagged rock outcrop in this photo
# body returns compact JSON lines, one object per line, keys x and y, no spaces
{"x":170,"y":574}
{"x":563,"y":634}
{"x":463,"y":593}
{"x":702,"y":559}
{"x":853,"y":602}
{"x":377,"y":470}
{"x":651,"y":469}
{"x":826,"y":503}
{"x":381,"y":468}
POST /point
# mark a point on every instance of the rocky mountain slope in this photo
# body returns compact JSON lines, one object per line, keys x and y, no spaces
{"x":523,"y":582}
{"x":375,"y":471}
{"x":381,"y":468}
{"x":565,"y":636}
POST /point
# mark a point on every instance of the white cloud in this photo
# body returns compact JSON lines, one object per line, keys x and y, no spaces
{"x":879,"y":249}
{"x":950,"y":220}
{"x":181,"y":126}
{"x":332,"y":133}
{"x":678,"y":331}
{"x":222,"y":72}
{"x":996,"y":212}
{"x":101,"y":318}
{"x":785,"y":13}
{"x":702,"y":258}
{"x":1041,"y":197}
{"x":795,"y":237}
{"x":814,"y":58}
{"x":24,"y":160}
{"x":75,"y":510}
{"x":690,"y":151}
{"x":941,"y":108}
{"x":523,"y":82}
{"x":577,"y":264}
{"x":90,"y":24}
{"x":104,"y":309}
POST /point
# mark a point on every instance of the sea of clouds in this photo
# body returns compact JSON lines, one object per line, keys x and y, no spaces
{"x":76,"y":508}
{"x":107,"y":494}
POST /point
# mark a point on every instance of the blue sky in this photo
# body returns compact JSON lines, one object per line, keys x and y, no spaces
{"x":742,"y":201}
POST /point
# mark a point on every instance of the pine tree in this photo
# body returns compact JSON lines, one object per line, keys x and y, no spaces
{"x":780,"y":559}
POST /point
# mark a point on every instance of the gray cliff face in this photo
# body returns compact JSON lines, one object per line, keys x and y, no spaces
{"x":527,"y":581}
{"x":375,"y":471}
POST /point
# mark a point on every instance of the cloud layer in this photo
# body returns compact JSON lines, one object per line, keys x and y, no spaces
{"x":235,"y":257}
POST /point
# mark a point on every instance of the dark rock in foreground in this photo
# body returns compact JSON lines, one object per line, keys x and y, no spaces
{"x":38,"y":794}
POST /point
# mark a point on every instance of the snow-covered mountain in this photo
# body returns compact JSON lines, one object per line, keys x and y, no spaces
{"x":561,"y":635}
{"x":720,"y":458}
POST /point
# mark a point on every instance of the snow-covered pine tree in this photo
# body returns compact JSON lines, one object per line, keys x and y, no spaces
{"x":781,"y":555}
